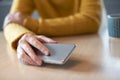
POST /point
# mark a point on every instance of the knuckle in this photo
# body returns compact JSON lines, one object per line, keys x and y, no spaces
{"x":21,"y":41}
{"x":42,"y":36}
{"x":27,"y":36}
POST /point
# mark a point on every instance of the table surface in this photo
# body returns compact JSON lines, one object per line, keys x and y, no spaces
{"x":96,"y":57}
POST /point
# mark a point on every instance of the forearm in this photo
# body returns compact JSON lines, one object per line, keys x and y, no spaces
{"x":87,"y":20}
{"x":77,"y":24}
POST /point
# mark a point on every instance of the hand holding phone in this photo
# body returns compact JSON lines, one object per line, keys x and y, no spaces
{"x":60,"y":53}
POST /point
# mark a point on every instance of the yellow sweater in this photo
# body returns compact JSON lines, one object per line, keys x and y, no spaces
{"x":57,"y":18}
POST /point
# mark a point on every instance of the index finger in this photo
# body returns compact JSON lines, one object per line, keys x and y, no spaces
{"x":37,"y":44}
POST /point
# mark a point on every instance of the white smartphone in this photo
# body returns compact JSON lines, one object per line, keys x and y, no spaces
{"x":59,"y":53}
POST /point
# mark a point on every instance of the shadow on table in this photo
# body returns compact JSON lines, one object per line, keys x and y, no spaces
{"x":75,"y":65}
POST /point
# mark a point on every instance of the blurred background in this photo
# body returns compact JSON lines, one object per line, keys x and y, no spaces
{"x":111,"y":7}
{"x":4,"y":9}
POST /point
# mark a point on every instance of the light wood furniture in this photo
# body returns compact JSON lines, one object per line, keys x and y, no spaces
{"x":96,"y":57}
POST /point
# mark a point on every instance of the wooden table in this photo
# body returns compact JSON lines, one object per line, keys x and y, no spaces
{"x":96,"y":57}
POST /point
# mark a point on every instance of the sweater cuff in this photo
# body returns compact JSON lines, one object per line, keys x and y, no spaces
{"x":13,"y":32}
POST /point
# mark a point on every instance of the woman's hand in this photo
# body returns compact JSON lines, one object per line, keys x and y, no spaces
{"x":17,"y":17}
{"x":25,"y":51}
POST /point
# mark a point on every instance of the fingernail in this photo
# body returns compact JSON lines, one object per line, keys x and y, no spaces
{"x":46,"y":53}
